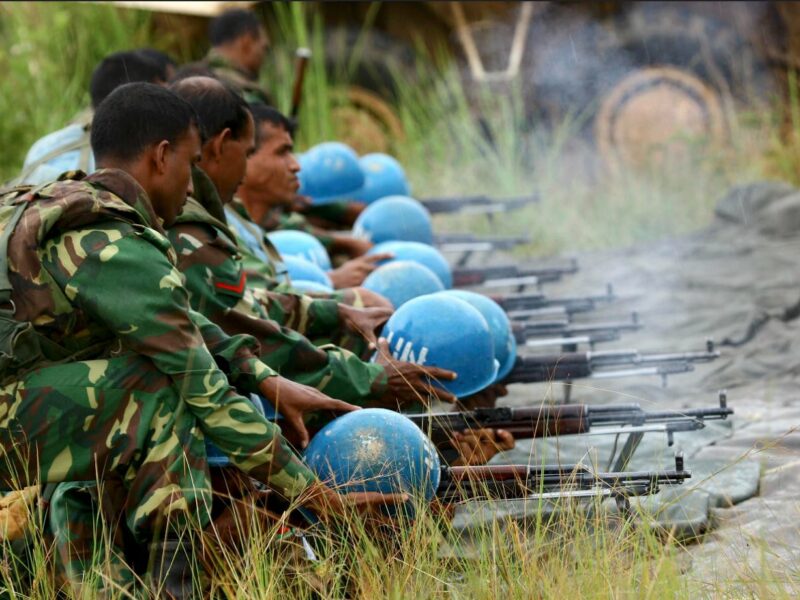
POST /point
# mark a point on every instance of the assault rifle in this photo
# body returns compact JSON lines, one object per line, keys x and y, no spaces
{"x":525,"y":330}
{"x":458,"y":484}
{"x":478,"y":204}
{"x":510,"y":275}
{"x":568,"y":419}
{"x":522,"y":306}
{"x":601,"y":364}
{"x":468,"y":244}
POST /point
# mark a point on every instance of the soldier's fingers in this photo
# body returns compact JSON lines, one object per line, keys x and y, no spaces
{"x":374,"y":258}
{"x":441,"y":394}
{"x":295,"y":421}
{"x":437,"y":373}
{"x":338,"y":405}
{"x":505,"y":439}
{"x":382,"y":345}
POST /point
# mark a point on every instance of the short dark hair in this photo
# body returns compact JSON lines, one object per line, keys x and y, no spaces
{"x":217,"y":104}
{"x":162,"y":59}
{"x":120,"y":68}
{"x":231,"y":25}
{"x":192,"y":69}
{"x":136,"y":115}
{"x":269,"y":114}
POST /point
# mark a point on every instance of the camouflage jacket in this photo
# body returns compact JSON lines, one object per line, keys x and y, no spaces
{"x":240,"y":80}
{"x":91,"y":268}
{"x":218,"y":285}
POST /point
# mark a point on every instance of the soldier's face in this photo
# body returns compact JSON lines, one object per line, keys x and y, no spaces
{"x":232,"y":162}
{"x":272,"y":170}
{"x":174,"y":184}
{"x":254,"y":50}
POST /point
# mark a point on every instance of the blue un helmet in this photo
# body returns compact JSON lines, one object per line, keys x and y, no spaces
{"x":426,"y":255}
{"x":330,"y":173}
{"x":301,"y":269}
{"x":505,"y":346}
{"x":375,"y":450}
{"x":395,"y":218}
{"x":383,"y":176}
{"x":302,"y":245}
{"x":443,"y":331}
{"x":402,"y":280}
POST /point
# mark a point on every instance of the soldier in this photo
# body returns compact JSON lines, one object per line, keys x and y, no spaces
{"x":110,"y":374}
{"x":68,"y":149}
{"x":270,"y":188}
{"x":209,"y":258}
{"x":238,"y":47}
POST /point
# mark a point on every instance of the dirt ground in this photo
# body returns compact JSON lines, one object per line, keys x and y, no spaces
{"x":745,"y":490}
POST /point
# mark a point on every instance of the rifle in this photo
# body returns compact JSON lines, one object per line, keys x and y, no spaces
{"x":303,"y":56}
{"x":477,"y":204}
{"x":510,"y":275}
{"x":521,"y":306}
{"x":524,"y":330}
{"x":568,"y":419}
{"x":458,"y":484}
{"x":595,"y":365}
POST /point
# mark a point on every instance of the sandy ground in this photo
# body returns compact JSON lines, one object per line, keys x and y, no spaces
{"x":711,"y":284}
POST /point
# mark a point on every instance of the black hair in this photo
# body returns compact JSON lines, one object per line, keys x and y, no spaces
{"x":120,"y":68}
{"x":217,"y":104}
{"x":162,"y":59}
{"x":136,"y":115}
{"x":231,"y":25}
{"x":269,"y":114}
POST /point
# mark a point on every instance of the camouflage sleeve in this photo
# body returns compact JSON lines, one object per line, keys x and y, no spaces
{"x":217,"y":288}
{"x":312,"y":317}
{"x":130,"y":286}
{"x":237,"y":355}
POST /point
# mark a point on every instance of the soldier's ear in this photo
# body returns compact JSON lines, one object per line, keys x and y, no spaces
{"x":159,"y":156}
{"x":216,"y":145}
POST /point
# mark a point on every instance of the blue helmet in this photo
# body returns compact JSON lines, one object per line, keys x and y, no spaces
{"x":329,"y":173}
{"x":311,"y":287}
{"x":395,"y":218}
{"x":401,"y":280}
{"x":417,"y":252}
{"x":505,"y":346}
{"x":511,"y":359}
{"x":375,"y":450}
{"x":383,"y":176}
{"x":299,"y":268}
{"x":301,"y":244}
{"x":441,"y":330}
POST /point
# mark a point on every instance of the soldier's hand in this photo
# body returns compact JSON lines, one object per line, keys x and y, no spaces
{"x":478,"y":446}
{"x":354,"y":271}
{"x":293,"y":400}
{"x":352,"y":246}
{"x":327,"y":503}
{"x":364,"y":321}
{"x":486,"y":398}
{"x":409,"y":383}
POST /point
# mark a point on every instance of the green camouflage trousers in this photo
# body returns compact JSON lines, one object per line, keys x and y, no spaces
{"x":119,"y":419}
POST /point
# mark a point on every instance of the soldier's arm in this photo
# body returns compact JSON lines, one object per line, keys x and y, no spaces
{"x":130,"y":286}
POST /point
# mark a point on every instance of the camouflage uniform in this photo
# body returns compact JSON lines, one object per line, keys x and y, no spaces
{"x":240,"y":80}
{"x":91,"y":269}
{"x":218,"y":287}
{"x":279,"y":218}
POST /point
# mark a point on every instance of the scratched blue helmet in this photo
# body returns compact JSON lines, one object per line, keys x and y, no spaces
{"x":330,"y":173}
{"x":441,"y":330}
{"x":505,"y":346}
{"x":301,"y":269}
{"x":423,"y":254}
{"x":375,"y":450}
{"x":401,"y":280}
{"x":395,"y":218}
{"x":383,"y":176}
{"x":311,"y":287}
{"x":302,"y":245}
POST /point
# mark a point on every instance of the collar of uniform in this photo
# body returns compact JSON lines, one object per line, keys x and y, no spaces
{"x":125,"y":187}
{"x":205,"y":205}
